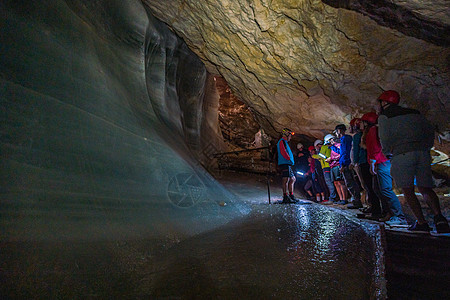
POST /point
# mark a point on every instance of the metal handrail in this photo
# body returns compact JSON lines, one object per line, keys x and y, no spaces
{"x":240,"y":151}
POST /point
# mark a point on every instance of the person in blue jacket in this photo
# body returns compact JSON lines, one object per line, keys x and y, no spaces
{"x":285,"y":163}
{"x":344,"y":163}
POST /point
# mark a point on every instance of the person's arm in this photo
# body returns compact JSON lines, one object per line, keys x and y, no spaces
{"x":283,"y":151}
{"x":428,"y":133}
{"x":324,"y":152}
{"x":383,"y":133}
{"x":346,"y":147}
{"x":370,"y":139}
{"x":316,"y":156}
{"x":335,"y":149}
{"x":356,"y":148}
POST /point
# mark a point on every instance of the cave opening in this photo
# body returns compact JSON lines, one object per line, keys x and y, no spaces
{"x":236,"y":120}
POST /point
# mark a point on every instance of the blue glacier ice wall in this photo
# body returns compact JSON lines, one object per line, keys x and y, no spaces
{"x":105,"y":120}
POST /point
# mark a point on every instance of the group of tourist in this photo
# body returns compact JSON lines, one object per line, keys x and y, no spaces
{"x":394,"y":144}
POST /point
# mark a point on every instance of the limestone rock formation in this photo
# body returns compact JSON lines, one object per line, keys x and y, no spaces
{"x":310,"y":65}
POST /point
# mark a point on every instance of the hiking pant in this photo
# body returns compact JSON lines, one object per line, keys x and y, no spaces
{"x":330,"y":185}
{"x":385,"y":187}
{"x":351,"y":184}
{"x":368,"y":179}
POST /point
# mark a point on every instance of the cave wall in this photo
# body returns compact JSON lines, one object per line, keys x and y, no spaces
{"x":101,"y":112}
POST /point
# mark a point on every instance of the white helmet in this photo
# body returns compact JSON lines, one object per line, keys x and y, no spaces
{"x":299,"y":145}
{"x":327,"y":138}
{"x":317,"y":142}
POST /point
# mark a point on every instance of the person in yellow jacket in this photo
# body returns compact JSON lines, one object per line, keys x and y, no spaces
{"x":323,"y":153}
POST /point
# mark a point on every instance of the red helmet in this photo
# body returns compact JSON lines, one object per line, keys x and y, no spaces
{"x":390,"y":96}
{"x":311,"y":148}
{"x":355,"y":122}
{"x":370,"y":117}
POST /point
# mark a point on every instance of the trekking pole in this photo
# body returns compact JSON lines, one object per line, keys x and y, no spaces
{"x":268,"y":182}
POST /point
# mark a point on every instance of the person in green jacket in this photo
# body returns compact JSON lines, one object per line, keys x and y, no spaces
{"x":324,"y":152}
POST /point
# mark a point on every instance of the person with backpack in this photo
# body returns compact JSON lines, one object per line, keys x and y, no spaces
{"x":408,"y":137}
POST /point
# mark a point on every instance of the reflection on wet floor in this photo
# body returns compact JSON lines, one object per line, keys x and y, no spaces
{"x":273,"y":252}
{"x":278,"y":252}
{"x":283,"y":252}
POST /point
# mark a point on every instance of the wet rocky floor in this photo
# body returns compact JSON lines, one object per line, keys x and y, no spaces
{"x":417,"y":266}
{"x":301,"y":251}
{"x":278,"y":252}
{"x":274,"y":252}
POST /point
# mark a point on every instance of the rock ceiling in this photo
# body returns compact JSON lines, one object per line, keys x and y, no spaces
{"x":310,"y":64}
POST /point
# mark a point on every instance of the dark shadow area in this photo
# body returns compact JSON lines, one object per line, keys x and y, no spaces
{"x":387,"y":13}
{"x":417,"y":266}
{"x":278,"y":251}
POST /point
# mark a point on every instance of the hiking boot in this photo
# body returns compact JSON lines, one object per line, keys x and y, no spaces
{"x":293,"y":199}
{"x":366,"y":210}
{"x":286,"y":199}
{"x":395,"y":221}
{"x":373,"y":216}
{"x":355,"y":205}
{"x":416,"y":227}
{"x":327,"y":202}
{"x":441,"y":224}
{"x":387,"y":217}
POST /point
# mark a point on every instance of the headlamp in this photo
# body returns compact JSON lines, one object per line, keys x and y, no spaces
{"x":288,"y":131}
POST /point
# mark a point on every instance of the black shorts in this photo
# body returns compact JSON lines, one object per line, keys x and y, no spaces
{"x":336,"y":174}
{"x":286,"y":171}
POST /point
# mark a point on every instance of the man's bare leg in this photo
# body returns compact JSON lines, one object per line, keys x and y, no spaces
{"x":431,"y":198}
{"x":291,"y":185}
{"x":414,"y":204}
{"x":284,"y":184}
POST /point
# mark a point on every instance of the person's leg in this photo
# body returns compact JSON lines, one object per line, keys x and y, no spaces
{"x":291,"y":188}
{"x":308,"y":186}
{"x":291,"y":185}
{"x":343,"y":190}
{"x":431,"y":198}
{"x":324,"y":187}
{"x":339,"y":191}
{"x":329,"y":183}
{"x":364,"y":190}
{"x":385,"y":182}
{"x":414,"y":204}
{"x":424,"y":179}
{"x":372,"y":197}
{"x":352,"y":186}
{"x":385,"y":208}
{"x":284,"y":184}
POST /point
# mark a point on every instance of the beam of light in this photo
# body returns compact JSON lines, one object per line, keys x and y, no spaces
{"x":323,"y":156}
